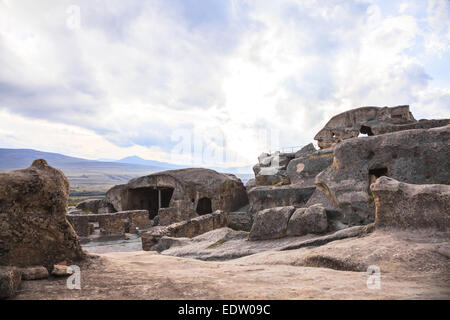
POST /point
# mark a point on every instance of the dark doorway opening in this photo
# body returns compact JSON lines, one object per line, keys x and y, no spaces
{"x":379,"y":172}
{"x":374,"y":174}
{"x":151,"y":199}
{"x":366,"y":130}
{"x":166,"y":195}
{"x":204,"y":206}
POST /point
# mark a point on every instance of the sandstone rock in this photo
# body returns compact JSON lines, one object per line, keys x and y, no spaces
{"x":226,"y":244}
{"x":261,"y":198}
{"x":271,"y":223}
{"x":356,"y":231}
{"x":371,"y":121}
{"x":319,"y":197}
{"x":34,"y":273}
{"x":90,"y":205}
{"x":80,"y":224}
{"x":401,"y":205}
{"x":351,"y":123}
{"x":167,"y":216}
{"x":251,"y":183}
{"x":306,"y":150}
{"x":10,"y":278}
{"x":34,"y":229}
{"x":303,"y":170}
{"x":184,"y":229}
{"x":307,"y":220}
{"x":165,"y":243}
{"x":271,"y":169}
{"x":60,"y":270}
{"x":111,"y":223}
{"x":413,"y":156}
{"x":241,"y":221}
{"x":74,"y":211}
{"x":191,"y":192}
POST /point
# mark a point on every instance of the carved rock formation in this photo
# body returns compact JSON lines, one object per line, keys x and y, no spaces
{"x":411,"y":206}
{"x":371,"y":121}
{"x":420,"y":156}
{"x":179,"y":195}
{"x":34,"y":229}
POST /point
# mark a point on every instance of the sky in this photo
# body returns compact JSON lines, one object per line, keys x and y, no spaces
{"x":210,"y":82}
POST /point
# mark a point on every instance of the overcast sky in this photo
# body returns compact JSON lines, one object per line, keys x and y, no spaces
{"x":110,"y":79}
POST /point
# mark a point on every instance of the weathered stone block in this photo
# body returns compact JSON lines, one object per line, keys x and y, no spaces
{"x":33,"y":226}
{"x":308,"y":220}
{"x":404,"y":206}
{"x":34,"y":273}
{"x":10,"y":279}
{"x":270,"y":197}
{"x":303,"y":170}
{"x":412,"y":156}
{"x":80,"y":224}
{"x":188,"y":229}
{"x":271,"y":223}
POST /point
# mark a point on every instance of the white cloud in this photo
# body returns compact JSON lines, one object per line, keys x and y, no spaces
{"x":136,"y":73}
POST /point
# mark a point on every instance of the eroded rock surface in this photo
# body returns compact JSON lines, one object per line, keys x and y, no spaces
{"x":271,"y":223}
{"x":303,"y":169}
{"x":181,"y":194}
{"x":404,"y":206}
{"x":414,"y":156}
{"x":261,"y":198}
{"x":34,"y":273}
{"x":34,"y":229}
{"x":371,"y":121}
{"x":308,"y":220}
{"x":187,"y":229}
{"x":10,"y":279}
{"x":271,"y":169}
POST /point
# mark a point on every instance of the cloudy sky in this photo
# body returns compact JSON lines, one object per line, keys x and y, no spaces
{"x":231,"y":78}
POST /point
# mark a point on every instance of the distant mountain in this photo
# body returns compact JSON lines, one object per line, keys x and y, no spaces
{"x":11,"y":159}
{"x":87,"y":175}
{"x":93,"y":174}
{"x":152,"y":163}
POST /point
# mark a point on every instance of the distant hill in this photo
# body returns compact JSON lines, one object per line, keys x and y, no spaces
{"x":139,"y":161}
{"x":152,"y":163}
{"x":94,"y":175}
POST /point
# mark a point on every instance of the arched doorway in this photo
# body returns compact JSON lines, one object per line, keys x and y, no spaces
{"x":204,"y":206}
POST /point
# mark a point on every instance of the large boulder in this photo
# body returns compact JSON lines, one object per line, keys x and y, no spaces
{"x":251,"y":183}
{"x":184,"y":229}
{"x":271,"y":169}
{"x":33,"y":225}
{"x":420,"y":156}
{"x":240,"y":221}
{"x":308,"y":220}
{"x":402,"y":205}
{"x":271,"y":223}
{"x":371,"y":121}
{"x":34,"y":273}
{"x":303,"y":169}
{"x":10,"y":279}
{"x":261,"y":198}
{"x":95,"y":206}
{"x":308,"y":149}
{"x":89,"y":205}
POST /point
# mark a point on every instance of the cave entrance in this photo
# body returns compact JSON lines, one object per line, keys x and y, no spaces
{"x":374,"y":174}
{"x":149,"y":198}
{"x":379,"y":172}
{"x":204,"y":206}
{"x":365,"y":131}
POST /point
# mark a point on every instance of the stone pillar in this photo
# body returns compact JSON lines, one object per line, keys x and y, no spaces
{"x":159,"y":199}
